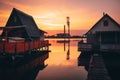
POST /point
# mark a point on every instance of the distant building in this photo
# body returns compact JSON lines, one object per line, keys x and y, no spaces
{"x":22,"y":25}
{"x":62,"y":35}
{"x":103,"y":36}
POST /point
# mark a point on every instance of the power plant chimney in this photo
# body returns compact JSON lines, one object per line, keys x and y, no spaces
{"x":64,"y":31}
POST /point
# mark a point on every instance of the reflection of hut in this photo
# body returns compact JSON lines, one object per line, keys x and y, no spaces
{"x":103,"y":36}
{"x":22,"y":25}
{"x":63,"y":35}
{"x":23,"y":68}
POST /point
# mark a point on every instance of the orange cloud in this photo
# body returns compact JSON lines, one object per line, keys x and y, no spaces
{"x":51,"y":14}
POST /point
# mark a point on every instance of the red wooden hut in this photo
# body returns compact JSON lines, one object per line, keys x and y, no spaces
{"x":21,"y":34}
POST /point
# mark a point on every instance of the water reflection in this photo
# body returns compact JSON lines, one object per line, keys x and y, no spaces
{"x":63,"y":62}
{"x":111,"y":61}
{"x":84,"y":59}
{"x":24,"y":69}
{"x":113,"y":65}
{"x":66,"y":42}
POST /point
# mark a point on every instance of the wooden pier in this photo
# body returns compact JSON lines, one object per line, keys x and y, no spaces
{"x":97,"y":69}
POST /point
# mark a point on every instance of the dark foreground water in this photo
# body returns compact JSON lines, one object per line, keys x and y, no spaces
{"x":112,"y":62}
{"x":63,"y":62}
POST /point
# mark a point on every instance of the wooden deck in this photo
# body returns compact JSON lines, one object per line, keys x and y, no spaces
{"x":84,"y":47}
{"x":97,"y":69}
{"x":21,"y":47}
{"x":99,"y":47}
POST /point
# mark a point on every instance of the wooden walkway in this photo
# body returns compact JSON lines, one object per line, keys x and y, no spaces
{"x":97,"y":69}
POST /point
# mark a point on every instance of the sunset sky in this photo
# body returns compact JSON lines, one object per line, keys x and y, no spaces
{"x":51,"y":14}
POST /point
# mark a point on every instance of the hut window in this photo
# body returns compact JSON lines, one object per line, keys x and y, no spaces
{"x":105,"y":23}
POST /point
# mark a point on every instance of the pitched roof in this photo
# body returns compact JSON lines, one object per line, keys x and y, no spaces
{"x":105,"y":15}
{"x":18,"y":18}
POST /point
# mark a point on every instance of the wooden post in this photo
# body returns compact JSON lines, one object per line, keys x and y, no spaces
{"x":116,"y":38}
{"x":6,"y":35}
{"x":100,"y":40}
{"x":3,"y":44}
{"x":15,"y":47}
{"x":24,"y":46}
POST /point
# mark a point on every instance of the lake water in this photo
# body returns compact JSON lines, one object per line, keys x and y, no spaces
{"x":63,"y":62}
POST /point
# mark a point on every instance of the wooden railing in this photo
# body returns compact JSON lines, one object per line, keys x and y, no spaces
{"x":98,"y":47}
{"x":20,"y":47}
{"x":110,"y":47}
{"x":84,"y":47}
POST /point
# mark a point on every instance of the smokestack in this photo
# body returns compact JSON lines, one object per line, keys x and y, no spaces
{"x":64,"y":31}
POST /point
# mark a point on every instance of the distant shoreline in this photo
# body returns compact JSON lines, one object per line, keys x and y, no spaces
{"x":63,"y":37}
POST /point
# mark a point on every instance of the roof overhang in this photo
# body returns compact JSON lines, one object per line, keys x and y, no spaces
{"x":42,"y":31}
{"x":11,"y":28}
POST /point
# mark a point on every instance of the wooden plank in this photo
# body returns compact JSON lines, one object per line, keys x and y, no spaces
{"x":10,"y":47}
{"x":18,"y":47}
{"x":26,"y":46}
{"x":97,"y":69}
{"x":1,"y":47}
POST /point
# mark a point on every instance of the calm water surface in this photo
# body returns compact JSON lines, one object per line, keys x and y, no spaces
{"x":63,"y":62}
